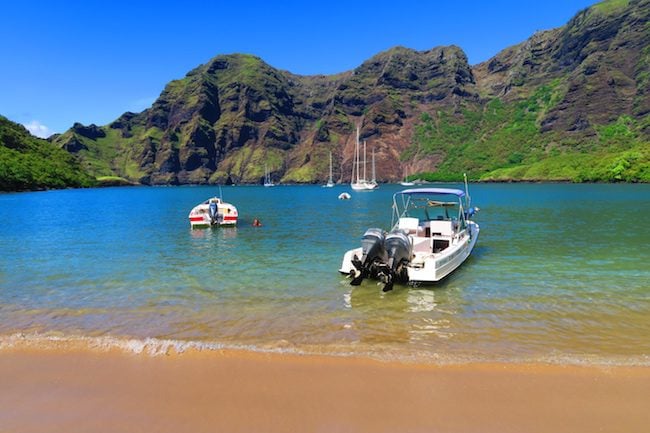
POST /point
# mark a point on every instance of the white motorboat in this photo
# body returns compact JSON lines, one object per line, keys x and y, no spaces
{"x":432,"y":234}
{"x":360,"y":183}
{"x":213,"y":212}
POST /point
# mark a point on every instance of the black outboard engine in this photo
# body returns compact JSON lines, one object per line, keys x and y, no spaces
{"x":398,"y":249}
{"x":373,"y":254}
{"x":213,"y":212}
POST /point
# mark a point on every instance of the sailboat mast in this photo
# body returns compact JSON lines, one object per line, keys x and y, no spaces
{"x":357,"y":153}
{"x":330,"y":179}
{"x":374,"y":176}
{"x":365,"y":175}
{"x":353,"y":159}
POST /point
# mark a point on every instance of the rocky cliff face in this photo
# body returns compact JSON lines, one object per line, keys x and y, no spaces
{"x":423,"y":111}
{"x":599,"y":63}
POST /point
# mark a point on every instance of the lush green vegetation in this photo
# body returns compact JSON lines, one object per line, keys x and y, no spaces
{"x":113,"y":181}
{"x":30,"y":163}
{"x":505,"y":142}
{"x":629,"y":166}
{"x":609,"y":7}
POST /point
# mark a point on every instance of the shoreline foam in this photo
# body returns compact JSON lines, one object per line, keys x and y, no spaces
{"x":163,"y":347}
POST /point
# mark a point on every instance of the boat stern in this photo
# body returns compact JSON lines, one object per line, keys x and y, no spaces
{"x":346,"y":265}
{"x":226,"y":215}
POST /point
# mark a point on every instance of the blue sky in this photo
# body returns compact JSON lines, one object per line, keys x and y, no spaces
{"x":90,"y":61}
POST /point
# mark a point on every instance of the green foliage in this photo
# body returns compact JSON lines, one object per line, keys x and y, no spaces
{"x":482,"y":139}
{"x":618,"y":134}
{"x":30,"y":163}
{"x":437,"y":177}
{"x":504,"y":142}
{"x":113,"y":181}
{"x":629,"y":166}
{"x":608,"y":7}
{"x":306,"y":173}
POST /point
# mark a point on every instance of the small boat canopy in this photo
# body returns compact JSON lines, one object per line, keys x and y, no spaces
{"x":449,"y":191}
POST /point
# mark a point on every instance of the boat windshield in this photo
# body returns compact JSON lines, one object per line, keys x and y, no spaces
{"x":427,"y":207}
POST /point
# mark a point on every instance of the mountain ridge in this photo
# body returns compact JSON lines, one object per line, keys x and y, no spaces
{"x":578,"y":92}
{"x":31,"y":163}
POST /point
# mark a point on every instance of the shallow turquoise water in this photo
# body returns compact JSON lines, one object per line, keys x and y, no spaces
{"x":560,"y":273}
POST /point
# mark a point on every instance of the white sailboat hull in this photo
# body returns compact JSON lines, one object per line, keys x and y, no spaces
{"x":363,"y":186}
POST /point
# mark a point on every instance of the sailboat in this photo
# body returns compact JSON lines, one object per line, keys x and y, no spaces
{"x":267,"y":178}
{"x":330,"y":182}
{"x":406,"y":182}
{"x":360,"y":183}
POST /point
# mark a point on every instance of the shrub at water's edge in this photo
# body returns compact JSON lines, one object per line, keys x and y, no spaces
{"x":30,"y":163}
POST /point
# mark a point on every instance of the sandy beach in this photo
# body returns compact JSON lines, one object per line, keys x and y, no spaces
{"x":64,"y":390}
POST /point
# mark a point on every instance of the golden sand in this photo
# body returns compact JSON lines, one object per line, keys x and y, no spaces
{"x":74,"y":390}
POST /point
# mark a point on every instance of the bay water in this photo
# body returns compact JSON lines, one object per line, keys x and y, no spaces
{"x":560,"y":273}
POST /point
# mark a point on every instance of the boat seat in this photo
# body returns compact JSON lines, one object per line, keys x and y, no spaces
{"x":442,"y":228}
{"x":421,"y":244}
{"x":408,"y":225}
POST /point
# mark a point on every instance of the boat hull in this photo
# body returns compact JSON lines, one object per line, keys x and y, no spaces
{"x":433,"y":267}
{"x":205,"y":223}
{"x":364,"y":186}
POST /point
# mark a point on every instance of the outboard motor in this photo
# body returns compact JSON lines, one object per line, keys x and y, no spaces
{"x":373,"y":254}
{"x":398,"y":248}
{"x":213,"y":212}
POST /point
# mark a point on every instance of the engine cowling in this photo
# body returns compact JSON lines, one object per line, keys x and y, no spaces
{"x":373,"y":253}
{"x":399,"y":250}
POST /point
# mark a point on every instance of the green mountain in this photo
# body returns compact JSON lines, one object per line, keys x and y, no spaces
{"x":30,"y":163}
{"x":567,"y":104}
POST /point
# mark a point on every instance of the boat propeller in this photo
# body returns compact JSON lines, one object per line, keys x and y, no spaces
{"x":358,"y":273}
{"x":386,"y":276}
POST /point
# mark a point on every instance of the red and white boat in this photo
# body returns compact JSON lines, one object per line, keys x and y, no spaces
{"x":213,"y":212}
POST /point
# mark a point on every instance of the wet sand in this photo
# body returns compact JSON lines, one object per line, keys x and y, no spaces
{"x":50,"y":390}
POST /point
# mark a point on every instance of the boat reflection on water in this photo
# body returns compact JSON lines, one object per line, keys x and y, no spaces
{"x":413,"y":315}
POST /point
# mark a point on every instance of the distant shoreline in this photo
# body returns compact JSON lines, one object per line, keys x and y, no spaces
{"x":126,"y":184}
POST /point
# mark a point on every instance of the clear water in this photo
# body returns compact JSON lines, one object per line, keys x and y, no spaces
{"x":561,"y":273}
